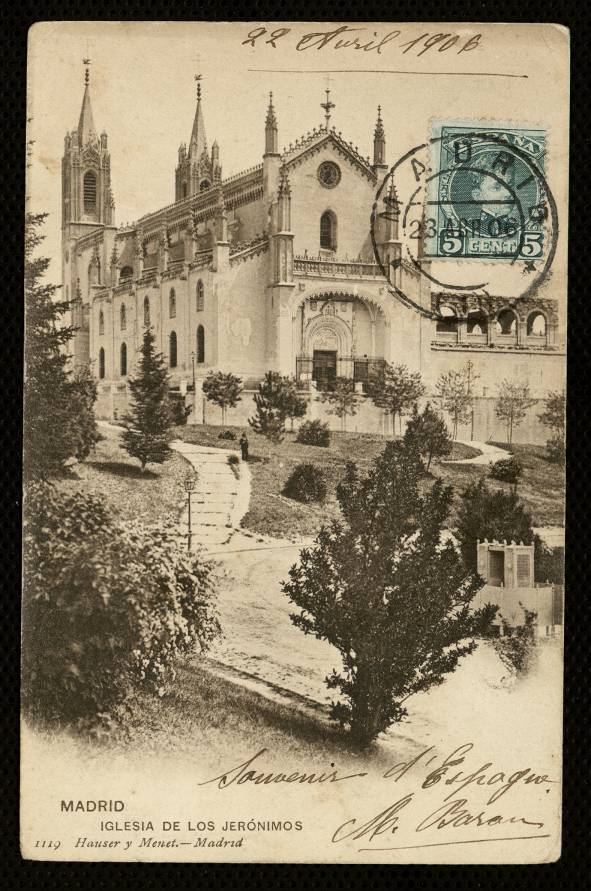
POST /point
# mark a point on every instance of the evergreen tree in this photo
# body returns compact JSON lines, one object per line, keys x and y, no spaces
{"x":427,"y":433}
{"x":294,"y":403}
{"x":494,"y":515}
{"x":148,"y":423}
{"x":396,"y":390}
{"x":342,"y":399}
{"x":271,"y":400}
{"x":554,"y":417}
{"x":58,"y":416}
{"x":223,"y":389}
{"x":380,"y":587}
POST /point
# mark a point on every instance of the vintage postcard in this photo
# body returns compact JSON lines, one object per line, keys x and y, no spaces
{"x":294,"y":442}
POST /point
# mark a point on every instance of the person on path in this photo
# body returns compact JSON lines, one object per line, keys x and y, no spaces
{"x":244,"y":446}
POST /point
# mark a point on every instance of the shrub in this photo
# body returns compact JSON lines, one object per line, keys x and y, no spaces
{"x":508,"y":470}
{"x":179,"y":412}
{"x":516,"y":649}
{"x":227,"y":434}
{"x":233,"y":459}
{"x":106,"y":608}
{"x":306,"y":483}
{"x":556,"y":450}
{"x":314,"y":433}
{"x":427,"y":433}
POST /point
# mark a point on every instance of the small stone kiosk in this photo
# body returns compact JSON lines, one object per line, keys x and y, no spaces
{"x":508,"y":570}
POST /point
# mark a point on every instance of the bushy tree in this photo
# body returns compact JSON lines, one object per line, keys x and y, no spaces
{"x":494,"y":515}
{"x":271,"y":401}
{"x":107,"y":608}
{"x":295,"y":404}
{"x":58,"y":412}
{"x":508,"y":470}
{"x":148,"y":424}
{"x":379,"y":585}
{"x":396,"y":389}
{"x":306,"y":483}
{"x":314,"y":433}
{"x":554,"y":417}
{"x":456,"y":391}
{"x":513,"y":401}
{"x":223,"y":389}
{"x":342,"y":399}
{"x":517,"y":646}
{"x":426,"y":432}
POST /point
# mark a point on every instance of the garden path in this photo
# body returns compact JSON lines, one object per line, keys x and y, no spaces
{"x":488,"y":453}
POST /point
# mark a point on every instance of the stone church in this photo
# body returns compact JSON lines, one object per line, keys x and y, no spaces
{"x":273,"y":268}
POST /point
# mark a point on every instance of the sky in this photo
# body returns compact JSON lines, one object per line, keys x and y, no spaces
{"x":143,"y":95}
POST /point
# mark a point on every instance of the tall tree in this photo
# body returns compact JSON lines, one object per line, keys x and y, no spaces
{"x":456,"y":391}
{"x":554,"y":417}
{"x":427,"y":433}
{"x":58,"y":412}
{"x":380,"y":587}
{"x":148,"y":424}
{"x":223,"y":389}
{"x":396,"y":390}
{"x":295,"y":404}
{"x":511,"y":406}
{"x":271,"y":400}
{"x":342,"y":399}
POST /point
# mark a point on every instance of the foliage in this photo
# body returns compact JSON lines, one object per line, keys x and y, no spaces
{"x":58,"y":412}
{"x":314,"y":433}
{"x":147,"y":426}
{"x":270,"y":415}
{"x":179,"y":411}
{"x":306,"y":483}
{"x":233,"y":459}
{"x":426,"y":432}
{"x":508,"y":470}
{"x":556,"y":450}
{"x":106,"y":608}
{"x":517,"y":646}
{"x":227,"y":434}
{"x":511,"y":406}
{"x":496,"y":516}
{"x":342,"y":399}
{"x":380,"y":587}
{"x":554,"y":417}
{"x":223,"y":389}
{"x":396,"y":389}
{"x":554,"y":414}
{"x":295,"y":405}
{"x":456,"y":390}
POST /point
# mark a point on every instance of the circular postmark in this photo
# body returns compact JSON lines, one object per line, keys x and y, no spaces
{"x":476,"y":197}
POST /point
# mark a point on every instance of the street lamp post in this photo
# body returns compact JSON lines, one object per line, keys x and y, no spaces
{"x":189,"y":484}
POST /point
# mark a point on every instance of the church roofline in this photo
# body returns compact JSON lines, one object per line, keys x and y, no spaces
{"x":315,"y":138}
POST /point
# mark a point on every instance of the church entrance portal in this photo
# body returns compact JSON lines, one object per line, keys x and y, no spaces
{"x":324,"y":368}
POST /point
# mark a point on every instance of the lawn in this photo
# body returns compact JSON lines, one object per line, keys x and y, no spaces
{"x":112,"y":474}
{"x":270,"y":513}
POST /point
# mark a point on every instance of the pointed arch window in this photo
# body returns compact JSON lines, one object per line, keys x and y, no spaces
{"x":126,"y":272}
{"x":328,"y":231}
{"x":172,"y":304}
{"x":101,"y":322}
{"x":123,"y":317}
{"x":123,"y":360}
{"x":146,"y":312}
{"x":89,"y":191}
{"x":200,"y":296}
{"x":101,"y":363}
{"x":200,"y":344}
{"x":173,"y":350}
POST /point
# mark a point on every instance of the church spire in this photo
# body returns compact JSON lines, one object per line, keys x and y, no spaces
{"x":271,"y":144}
{"x":379,"y":142}
{"x":86,"y":128}
{"x":198,"y":141}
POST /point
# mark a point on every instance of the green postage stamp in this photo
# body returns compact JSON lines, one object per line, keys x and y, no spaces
{"x":487,"y":196}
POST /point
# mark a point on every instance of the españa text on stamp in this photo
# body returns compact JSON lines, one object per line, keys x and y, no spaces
{"x":486,"y":194}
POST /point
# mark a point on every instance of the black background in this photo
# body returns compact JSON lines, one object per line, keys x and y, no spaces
{"x":569,"y":871}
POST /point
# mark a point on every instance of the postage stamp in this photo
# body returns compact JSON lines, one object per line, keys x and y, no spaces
{"x":486,"y":194}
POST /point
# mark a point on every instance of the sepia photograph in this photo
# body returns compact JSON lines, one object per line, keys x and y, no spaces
{"x":294,"y":442}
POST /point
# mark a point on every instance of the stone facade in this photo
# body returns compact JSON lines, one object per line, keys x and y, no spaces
{"x":273,"y":268}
